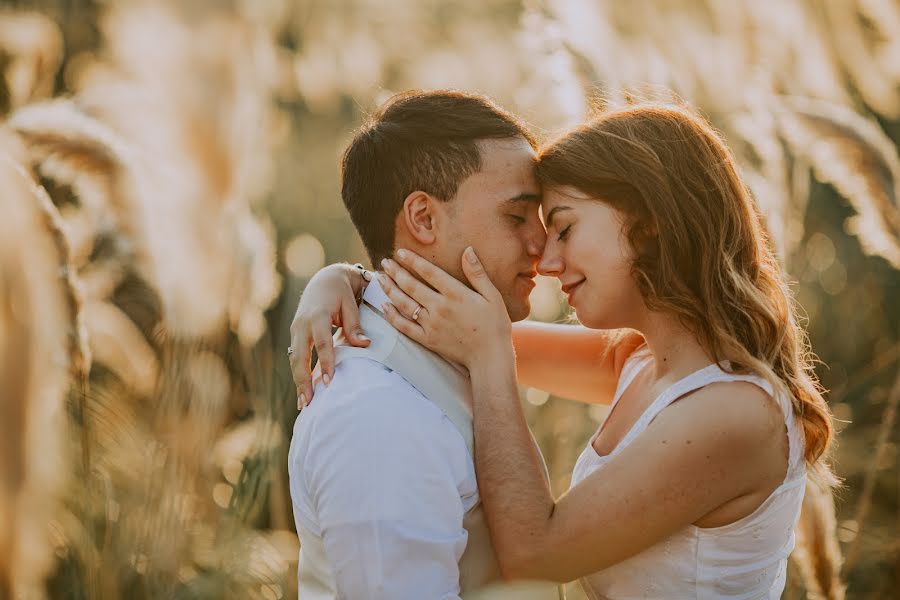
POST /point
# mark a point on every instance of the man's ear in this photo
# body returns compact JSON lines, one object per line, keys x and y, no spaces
{"x":420,"y":217}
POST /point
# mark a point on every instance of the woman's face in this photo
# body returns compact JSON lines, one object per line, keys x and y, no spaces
{"x":589,"y":253}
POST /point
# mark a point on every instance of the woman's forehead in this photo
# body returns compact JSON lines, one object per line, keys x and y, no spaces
{"x":553,"y":195}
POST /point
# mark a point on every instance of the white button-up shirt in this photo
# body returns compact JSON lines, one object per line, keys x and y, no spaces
{"x":384,"y":478}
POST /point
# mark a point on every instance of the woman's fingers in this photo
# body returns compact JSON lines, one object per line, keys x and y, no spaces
{"x":432,"y":275}
{"x":301,"y":345}
{"x":406,"y":305}
{"x":305,"y":395}
{"x":477,"y":276}
{"x":321,"y":331}
{"x":350,"y":325}
{"x":405,"y":326}
{"x":409,"y":285}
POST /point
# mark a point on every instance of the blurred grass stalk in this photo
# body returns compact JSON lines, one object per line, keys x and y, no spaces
{"x":35,"y":363}
{"x":135,"y":372}
{"x":864,"y":505}
{"x":142,"y":435}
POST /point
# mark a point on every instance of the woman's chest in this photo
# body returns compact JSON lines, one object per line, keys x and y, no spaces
{"x":628,"y":410}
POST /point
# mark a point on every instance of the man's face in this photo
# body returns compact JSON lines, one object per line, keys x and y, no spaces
{"x":496,"y":212}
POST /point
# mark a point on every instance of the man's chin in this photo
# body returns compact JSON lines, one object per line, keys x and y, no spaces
{"x":518,"y":310}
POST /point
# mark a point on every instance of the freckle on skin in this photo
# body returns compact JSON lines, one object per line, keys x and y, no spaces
{"x":689,"y":441}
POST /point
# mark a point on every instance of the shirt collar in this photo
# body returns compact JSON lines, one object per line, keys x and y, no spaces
{"x":374,"y":293}
{"x":376,"y":297}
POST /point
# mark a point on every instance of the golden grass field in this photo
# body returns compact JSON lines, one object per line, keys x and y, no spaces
{"x":170,"y":182}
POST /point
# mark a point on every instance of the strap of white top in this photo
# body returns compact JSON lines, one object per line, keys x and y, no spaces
{"x":716,"y":374}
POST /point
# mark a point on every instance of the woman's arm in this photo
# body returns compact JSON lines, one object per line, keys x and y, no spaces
{"x":701,"y":452}
{"x":572,"y":361}
{"x":330,"y":298}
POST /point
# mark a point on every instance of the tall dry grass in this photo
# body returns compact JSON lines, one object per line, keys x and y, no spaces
{"x":818,"y":554}
{"x":143,"y":170}
{"x":169,"y":439}
{"x":41,"y":355}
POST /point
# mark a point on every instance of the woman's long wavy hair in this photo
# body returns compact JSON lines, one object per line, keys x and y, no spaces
{"x":701,"y":249}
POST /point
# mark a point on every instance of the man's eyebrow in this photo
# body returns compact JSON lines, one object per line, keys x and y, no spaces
{"x":555,"y":210}
{"x":524,"y":197}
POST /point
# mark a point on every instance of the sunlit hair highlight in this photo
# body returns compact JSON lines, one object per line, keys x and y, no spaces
{"x":701,"y":249}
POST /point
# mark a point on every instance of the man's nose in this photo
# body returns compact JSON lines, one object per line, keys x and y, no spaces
{"x":536,"y":242}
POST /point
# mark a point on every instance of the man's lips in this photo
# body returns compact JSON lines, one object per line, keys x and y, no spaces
{"x":528,"y":277}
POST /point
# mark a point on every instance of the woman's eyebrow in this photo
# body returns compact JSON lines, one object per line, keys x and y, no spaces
{"x":555,"y":210}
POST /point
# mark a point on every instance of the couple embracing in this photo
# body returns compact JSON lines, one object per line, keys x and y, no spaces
{"x":413,"y":473}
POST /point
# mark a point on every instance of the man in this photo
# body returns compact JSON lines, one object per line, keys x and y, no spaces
{"x":381,"y":465}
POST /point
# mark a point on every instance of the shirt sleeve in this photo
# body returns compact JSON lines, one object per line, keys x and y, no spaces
{"x":385,"y":477}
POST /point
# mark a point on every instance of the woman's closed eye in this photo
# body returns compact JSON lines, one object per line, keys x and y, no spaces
{"x":517,"y":219}
{"x":564,"y":233}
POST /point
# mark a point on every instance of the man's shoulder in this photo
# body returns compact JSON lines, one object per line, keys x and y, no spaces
{"x":366,"y":393}
{"x":359,"y":371}
{"x":369,"y":417}
{"x":360,"y":377}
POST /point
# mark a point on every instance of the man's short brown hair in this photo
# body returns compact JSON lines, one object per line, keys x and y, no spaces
{"x":416,"y":141}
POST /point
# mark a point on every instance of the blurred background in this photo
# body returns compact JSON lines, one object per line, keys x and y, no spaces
{"x":170,"y":182}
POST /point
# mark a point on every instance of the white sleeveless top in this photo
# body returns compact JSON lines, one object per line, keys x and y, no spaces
{"x":745,"y":559}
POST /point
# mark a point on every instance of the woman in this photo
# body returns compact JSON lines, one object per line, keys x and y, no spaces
{"x":692,"y":486}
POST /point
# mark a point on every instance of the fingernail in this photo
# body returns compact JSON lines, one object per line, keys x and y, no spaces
{"x":401,"y":253}
{"x":384,"y":263}
{"x":301,"y":400}
{"x":470,"y":256}
{"x":362,"y":336}
{"x":326,"y":378}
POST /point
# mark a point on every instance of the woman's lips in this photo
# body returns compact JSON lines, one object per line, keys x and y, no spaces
{"x":570,"y":289}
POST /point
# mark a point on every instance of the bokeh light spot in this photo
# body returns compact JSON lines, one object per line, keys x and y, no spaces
{"x":847,"y":530}
{"x":820,"y":251}
{"x":536,"y":397}
{"x":834,"y":279}
{"x":222,"y":494}
{"x":232,"y":470}
{"x":545,"y":301}
{"x":304,"y":255}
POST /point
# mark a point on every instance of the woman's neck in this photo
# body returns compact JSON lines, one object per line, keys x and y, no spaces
{"x":675,"y":349}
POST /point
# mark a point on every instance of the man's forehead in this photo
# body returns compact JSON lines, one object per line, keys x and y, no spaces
{"x":510,"y":183}
{"x":504,"y":154}
{"x":506,"y":176}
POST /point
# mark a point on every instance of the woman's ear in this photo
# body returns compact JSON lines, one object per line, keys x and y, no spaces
{"x":419,"y":217}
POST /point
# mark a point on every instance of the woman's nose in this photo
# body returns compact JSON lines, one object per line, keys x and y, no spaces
{"x":551,"y":264}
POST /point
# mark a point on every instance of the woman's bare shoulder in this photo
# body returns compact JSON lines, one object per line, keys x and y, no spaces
{"x":739,"y":409}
